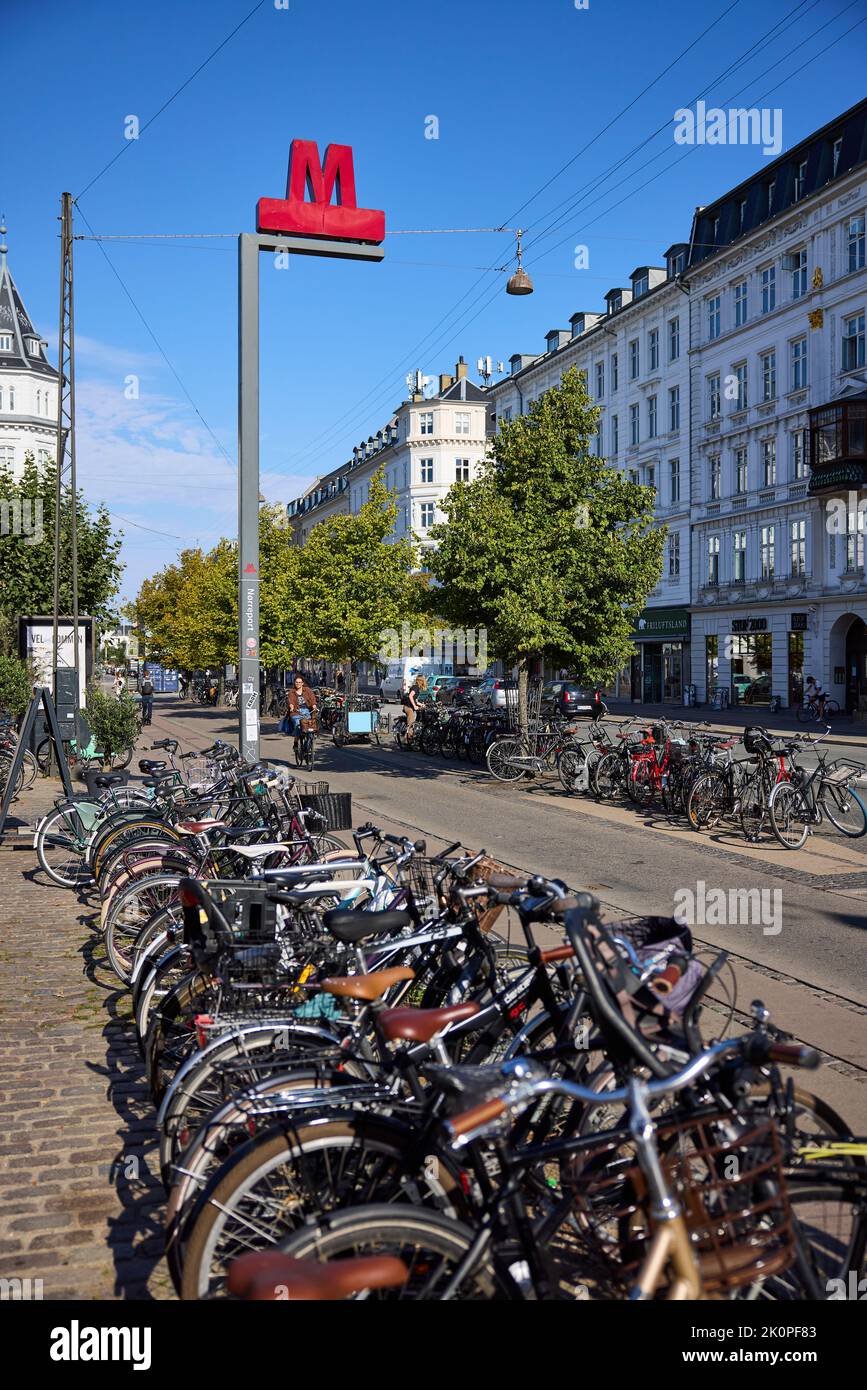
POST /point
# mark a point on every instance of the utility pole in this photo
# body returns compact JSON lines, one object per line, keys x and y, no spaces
{"x":66,"y":440}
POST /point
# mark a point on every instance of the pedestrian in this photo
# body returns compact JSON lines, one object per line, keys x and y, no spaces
{"x":301,"y":705}
{"x":147,"y":699}
{"x":119,"y":685}
{"x":413,"y":700}
{"x":339,"y":682}
{"x":183,"y":682}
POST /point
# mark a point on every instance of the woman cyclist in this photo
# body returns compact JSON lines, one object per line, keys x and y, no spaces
{"x":301,"y":706}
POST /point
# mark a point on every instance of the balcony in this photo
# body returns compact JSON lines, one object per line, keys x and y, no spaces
{"x":838,"y":445}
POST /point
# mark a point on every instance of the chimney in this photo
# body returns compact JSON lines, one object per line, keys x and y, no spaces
{"x":460,"y":369}
{"x":445,"y":382}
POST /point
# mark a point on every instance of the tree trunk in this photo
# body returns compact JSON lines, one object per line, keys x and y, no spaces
{"x":353,"y":677}
{"x":523,"y":680}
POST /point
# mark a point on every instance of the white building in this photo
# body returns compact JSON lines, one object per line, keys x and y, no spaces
{"x":428,"y":444}
{"x":28,"y":382}
{"x":635,"y":359}
{"x":778,"y":291}
{"x":733,"y":380}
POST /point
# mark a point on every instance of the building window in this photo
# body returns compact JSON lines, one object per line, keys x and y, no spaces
{"x":741,"y":471}
{"x":855,"y":539}
{"x":772,"y":188}
{"x":640,"y":287}
{"x":739,"y":557}
{"x":12,"y":388}
{"x":600,"y":447}
{"x":713,"y":397}
{"x":673,"y":339}
{"x":714,"y":490}
{"x":43,"y":457}
{"x":5,"y":342}
{"x":741,"y":395}
{"x":650,"y":476}
{"x":853,"y":345}
{"x":462,"y":470}
{"x":633,"y":476}
{"x":713,"y":560}
{"x":426,"y":515}
{"x":653,"y":350}
{"x":7,"y":455}
{"x":614,"y":376}
{"x":674,"y":408}
{"x":799,"y":274}
{"x":740,"y":296}
{"x":742,"y":214}
{"x":769,"y":376}
{"x":615,"y":434}
{"x":674,"y":480}
{"x":798,"y":361}
{"x":837,"y":147}
{"x":600,"y":380}
{"x":799,"y":453}
{"x":651,"y":417}
{"x":633,"y":424}
{"x":800,"y":180}
{"x":425,"y":422}
{"x":767,"y":552}
{"x":426,"y":470}
{"x":633,"y":359}
{"x":769,"y":289}
{"x":855,"y":242}
{"x":769,"y":462}
{"x":462,"y":422}
{"x":715,"y":231}
{"x":713,"y":316}
{"x":405,"y":473}
{"x":798,"y":539}
{"x":38,"y":402}
{"x":674,"y":555}
{"x":507,"y":414}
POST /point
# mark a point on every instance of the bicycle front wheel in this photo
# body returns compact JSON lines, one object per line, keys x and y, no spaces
{"x":754,"y":797}
{"x":805,"y":713}
{"x":844,"y":809}
{"x":501,"y":759}
{"x":790,"y":815}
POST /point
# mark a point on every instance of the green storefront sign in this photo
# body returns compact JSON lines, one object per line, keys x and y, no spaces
{"x":662,"y":625}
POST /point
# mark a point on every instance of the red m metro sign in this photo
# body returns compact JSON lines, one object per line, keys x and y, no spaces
{"x":307,"y":209}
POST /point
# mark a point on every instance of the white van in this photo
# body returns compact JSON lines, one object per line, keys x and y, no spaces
{"x":400,"y":674}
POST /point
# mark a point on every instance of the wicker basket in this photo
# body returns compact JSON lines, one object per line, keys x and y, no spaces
{"x":732,"y":1190}
{"x":335,"y":808}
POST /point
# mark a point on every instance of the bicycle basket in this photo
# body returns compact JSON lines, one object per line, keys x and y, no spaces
{"x":423,"y":880}
{"x":842,"y":771}
{"x":334,"y":807}
{"x":482,"y":872}
{"x":731,"y":1187}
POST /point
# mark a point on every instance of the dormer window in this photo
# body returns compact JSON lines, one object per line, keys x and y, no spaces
{"x":837,"y":147}
{"x":640,"y":285}
{"x":615,"y":303}
{"x":5,"y":342}
{"x":33,"y":347}
{"x":800,"y":180}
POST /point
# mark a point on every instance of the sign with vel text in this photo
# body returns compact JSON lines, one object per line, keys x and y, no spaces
{"x":308,"y":210}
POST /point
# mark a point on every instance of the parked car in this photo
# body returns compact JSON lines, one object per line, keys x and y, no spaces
{"x":400,"y":674}
{"x":437,"y":685}
{"x":460,"y":690}
{"x":491,"y":692}
{"x":571,"y":699}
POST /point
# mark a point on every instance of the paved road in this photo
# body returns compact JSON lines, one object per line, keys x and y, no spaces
{"x":803,"y":953}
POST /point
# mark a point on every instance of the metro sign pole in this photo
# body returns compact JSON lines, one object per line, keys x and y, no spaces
{"x":304,"y":223}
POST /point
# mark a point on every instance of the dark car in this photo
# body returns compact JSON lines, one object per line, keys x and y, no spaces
{"x":459,"y":690}
{"x":571,"y":699}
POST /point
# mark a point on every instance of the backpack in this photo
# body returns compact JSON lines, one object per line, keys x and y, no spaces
{"x":147,"y":687}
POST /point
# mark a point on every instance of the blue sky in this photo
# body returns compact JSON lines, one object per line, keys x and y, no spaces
{"x":518,"y":90}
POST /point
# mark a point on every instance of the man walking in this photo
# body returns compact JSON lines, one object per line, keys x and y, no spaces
{"x":147,"y":699}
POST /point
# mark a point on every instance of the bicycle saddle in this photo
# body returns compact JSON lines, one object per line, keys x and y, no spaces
{"x":109,"y":779}
{"x":420,"y":1025}
{"x":150,"y":765}
{"x":269,"y":1275}
{"x":352,"y":925}
{"x":367,"y":987}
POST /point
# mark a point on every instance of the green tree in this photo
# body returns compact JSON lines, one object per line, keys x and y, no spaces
{"x":113,"y":721}
{"x":354,"y":579}
{"x":27,"y":572}
{"x":16,"y":686}
{"x":549,"y":548}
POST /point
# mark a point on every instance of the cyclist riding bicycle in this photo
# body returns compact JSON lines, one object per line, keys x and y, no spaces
{"x":301,"y":709}
{"x":815,"y":695}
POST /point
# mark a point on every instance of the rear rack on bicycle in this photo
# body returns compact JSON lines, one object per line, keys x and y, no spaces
{"x":842,"y":770}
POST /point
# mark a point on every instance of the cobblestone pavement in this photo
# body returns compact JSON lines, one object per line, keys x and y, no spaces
{"x":80,"y":1207}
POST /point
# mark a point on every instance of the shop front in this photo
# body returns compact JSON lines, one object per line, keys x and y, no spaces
{"x":754,"y":660}
{"x":659,"y":671}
